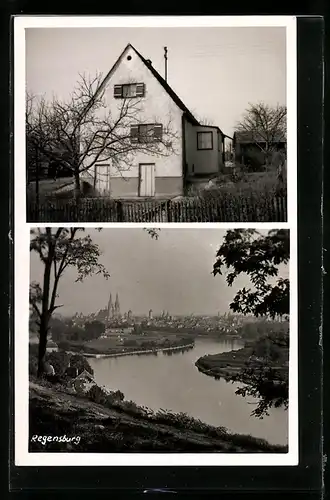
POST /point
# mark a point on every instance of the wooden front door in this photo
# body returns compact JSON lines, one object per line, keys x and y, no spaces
{"x":147,"y":180}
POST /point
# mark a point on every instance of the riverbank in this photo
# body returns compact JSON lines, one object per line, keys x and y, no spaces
{"x":225,"y":364}
{"x":55,"y":411}
{"x":229,"y":364}
{"x":131,"y":353}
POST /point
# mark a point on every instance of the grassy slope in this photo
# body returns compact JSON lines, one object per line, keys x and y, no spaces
{"x":55,"y":412}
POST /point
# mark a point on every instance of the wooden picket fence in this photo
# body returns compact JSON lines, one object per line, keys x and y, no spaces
{"x":260,"y":207}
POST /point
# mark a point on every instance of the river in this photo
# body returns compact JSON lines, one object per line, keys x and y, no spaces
{"x":174,"y":383}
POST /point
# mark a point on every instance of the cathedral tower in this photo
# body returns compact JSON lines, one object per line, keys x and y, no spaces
{"x":110,"y":310}
{"x":117,"y":307}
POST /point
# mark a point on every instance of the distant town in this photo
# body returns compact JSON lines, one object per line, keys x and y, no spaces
{"x":117,"y":324}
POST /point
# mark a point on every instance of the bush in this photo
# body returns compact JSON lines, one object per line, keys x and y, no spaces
{"x":64,"y":345}
{"x":97,"y":395}
{"x":80,"y":362}
{"x":118,"y":395}
{"x":131,"y":408}
{"x":183,"y":421}
{"x":59,"y":360}
{"x":255,"y":160}
{"x":33,"y":365}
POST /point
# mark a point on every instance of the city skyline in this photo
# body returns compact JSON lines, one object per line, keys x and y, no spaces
{"x":145,"y":314}
{"x":173,"y":273}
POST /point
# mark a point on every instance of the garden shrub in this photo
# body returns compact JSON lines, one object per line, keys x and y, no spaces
{"x":59,"y":360}
{"x":97,"y":395}
{"x":255,"y":160}
{"x":80,"y":362}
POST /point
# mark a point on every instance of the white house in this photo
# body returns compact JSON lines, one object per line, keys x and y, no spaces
{"x":197,"y":151}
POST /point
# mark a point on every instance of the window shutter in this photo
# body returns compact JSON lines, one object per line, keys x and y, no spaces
{"x":134,"y":133}
{"x":117,"y":92}
{"x":140,"y":90}
{"x":158,"y":132}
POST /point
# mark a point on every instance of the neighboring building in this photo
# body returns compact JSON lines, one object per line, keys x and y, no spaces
{"x":51,"y":346}
{"x":39,"y":166}
{"x":83,"y":382}
{"x":199,"y":149}
{"x":116,"y":332}
{"x":247,"y":144}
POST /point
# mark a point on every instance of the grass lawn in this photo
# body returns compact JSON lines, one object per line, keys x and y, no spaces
{"x":244,"y":182}
{"x":113,"y":344}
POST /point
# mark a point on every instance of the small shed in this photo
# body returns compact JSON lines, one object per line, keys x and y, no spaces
{"x":83,"y":382}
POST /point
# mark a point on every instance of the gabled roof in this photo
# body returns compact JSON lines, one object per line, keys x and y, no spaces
{"x":160,"y":79}
{"x":85,"y":374}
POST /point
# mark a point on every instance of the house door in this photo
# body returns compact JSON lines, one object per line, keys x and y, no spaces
{"x":147,"y":179}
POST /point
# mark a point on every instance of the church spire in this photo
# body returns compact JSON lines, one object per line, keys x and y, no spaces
{"x":110,"y":309}
{"x":117,"y":306}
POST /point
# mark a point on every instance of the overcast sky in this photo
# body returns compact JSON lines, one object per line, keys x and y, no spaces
{"x":217,"y":72}
{"x":172,"y":273}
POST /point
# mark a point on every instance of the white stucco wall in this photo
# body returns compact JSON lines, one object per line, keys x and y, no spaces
{"x":156,"y":107}
{"x":202,"y":161}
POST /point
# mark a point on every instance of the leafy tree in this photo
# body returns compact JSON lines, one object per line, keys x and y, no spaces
{"x":59,"y":360}
{"x":75,"y":332}
{"x":265,"y":374}
{"x":57,"y":328}
{"x":245,"y":251}
{"x":80,"y":362}
{"x":59,"y":249}
{"x":94,"y":329}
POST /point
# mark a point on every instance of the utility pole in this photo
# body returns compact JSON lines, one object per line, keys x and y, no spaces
{"x":165,"y":57}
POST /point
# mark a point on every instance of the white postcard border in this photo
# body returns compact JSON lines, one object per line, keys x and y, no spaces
{"x":22,"y":238}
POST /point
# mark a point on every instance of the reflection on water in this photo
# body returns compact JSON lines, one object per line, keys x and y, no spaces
{"x":170,"y":380}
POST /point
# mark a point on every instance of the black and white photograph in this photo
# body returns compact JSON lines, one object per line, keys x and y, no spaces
{"x":159,"y":340}
{"x":157,"y":124}
{"x":155,"y":262}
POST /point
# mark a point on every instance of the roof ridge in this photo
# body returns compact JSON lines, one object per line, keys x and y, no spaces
{"x":167,"y":87}
{"x":160,"y":79}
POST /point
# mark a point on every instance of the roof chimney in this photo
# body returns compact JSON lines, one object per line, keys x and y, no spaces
{"x":165,"y":57}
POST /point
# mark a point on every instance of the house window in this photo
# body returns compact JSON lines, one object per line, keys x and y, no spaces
{"x":129,"y":90}
{"x":204,"y":140}
{"x":151,"y":132}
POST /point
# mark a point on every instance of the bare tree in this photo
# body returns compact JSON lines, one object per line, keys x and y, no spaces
{"x":266,"y":126}
{"x":203,"y":120}
{"x":82,"y":131}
